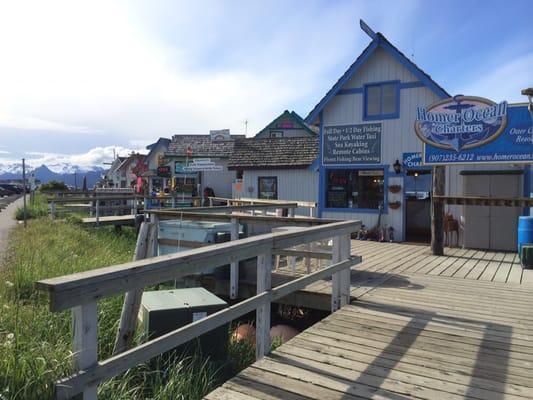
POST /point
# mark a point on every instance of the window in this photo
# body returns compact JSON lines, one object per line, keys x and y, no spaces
{"x":276,"y":134}
{"x":268,"y":187}
{"x":352,"y":188}
{"x":381,"y":100}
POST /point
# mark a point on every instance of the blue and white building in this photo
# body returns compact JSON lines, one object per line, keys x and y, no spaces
{"x":371,"y":158}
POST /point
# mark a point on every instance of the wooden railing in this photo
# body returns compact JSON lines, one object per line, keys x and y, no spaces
{"x":249,"y":201}
{"x":82,"y":291}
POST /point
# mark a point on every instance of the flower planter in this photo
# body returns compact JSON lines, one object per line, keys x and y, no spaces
{"x":394,"y":205}
{"x":395,"y":188}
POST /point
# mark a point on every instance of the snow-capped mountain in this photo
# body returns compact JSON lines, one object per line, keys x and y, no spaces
{"x":68,"y":173}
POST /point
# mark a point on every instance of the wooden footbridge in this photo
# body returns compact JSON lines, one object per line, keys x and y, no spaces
{"x":409,"y":334}
{"x":405,"y":323}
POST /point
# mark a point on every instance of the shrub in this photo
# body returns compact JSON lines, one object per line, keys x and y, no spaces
{"x":53,"y":186}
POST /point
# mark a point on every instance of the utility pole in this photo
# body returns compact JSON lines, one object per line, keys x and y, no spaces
{"x":24,"y":188}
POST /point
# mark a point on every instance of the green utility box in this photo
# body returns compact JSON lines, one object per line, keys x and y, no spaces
{"x":163,"y":311}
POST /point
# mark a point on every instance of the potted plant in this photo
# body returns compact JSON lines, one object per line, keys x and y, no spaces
{"x":395,"y":188}
{"x":394,"y":204}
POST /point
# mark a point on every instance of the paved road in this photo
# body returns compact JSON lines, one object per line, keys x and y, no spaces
{"x":7,"y":222}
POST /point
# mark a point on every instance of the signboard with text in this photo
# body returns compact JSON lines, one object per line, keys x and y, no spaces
{"x":412,"y":159}
{"x":202,"y":165}
{"x":351,"y":144}
{"x":473,"y":130}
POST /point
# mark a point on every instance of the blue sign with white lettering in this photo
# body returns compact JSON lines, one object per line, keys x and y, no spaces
{"x":472,"y":130}
{"x":412,"y":160}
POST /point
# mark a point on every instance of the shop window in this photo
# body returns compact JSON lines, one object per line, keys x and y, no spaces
{"x":381,"y":100}
{"x":352,"y":188}
{"x":268,"y":187}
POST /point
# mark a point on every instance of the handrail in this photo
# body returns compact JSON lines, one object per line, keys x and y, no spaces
{"x":81,"y":292}
{"x":113,"y":366}
{"x":83,"y":287}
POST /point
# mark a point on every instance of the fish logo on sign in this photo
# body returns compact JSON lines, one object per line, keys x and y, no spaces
{"x":461,"y":122}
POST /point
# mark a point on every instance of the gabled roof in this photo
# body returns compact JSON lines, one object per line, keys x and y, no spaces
{"x":294,"y":117}
{"x":378,"y":41}
{"x":161,"y":140}
{"x":201,"y":145}
{"x":274,"y":153}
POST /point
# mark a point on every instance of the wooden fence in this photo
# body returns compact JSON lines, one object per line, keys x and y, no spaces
{"x":81,"y":292}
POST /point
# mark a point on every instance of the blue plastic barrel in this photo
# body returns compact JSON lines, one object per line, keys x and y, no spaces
{"x":525,"y":231}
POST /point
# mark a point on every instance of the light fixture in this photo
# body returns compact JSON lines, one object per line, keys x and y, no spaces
{"x":397,"y":166}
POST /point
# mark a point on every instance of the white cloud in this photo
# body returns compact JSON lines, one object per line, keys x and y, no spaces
{"x":504,"y":82}
{"x":98,"y":156}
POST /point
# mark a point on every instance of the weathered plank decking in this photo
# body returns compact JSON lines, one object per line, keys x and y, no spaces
{"x":418,"y":334}
{"x":110,"y":220}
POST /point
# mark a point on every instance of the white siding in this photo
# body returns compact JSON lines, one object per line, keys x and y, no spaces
{"x":293,"y":184}
{"x":397,"y":135}
{"x":220,"y":181}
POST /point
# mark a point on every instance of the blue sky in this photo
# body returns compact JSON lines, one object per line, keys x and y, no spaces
{"x":79,"y":78}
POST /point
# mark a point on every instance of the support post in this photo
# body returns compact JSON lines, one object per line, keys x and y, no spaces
{"x":97,"y":212}
{"x":291,"y":212}
{"x":85,"y":342}
{"x":210,"y":202}
{"x":132,"y":299}
{"x":134,"y":206}
{"x":24,"y":190}
{"x":345,"y":274}
{"x":53,"y":210}
{"x":336,"y":278}
{"x":264,"y":283}
{"x":234,"y":267}
{"x":437,"y":211}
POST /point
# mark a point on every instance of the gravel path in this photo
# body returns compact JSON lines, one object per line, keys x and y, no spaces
{"x":7,"y":222}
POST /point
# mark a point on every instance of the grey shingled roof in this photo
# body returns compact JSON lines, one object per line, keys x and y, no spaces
{"x":202,"y":145}
{"x":284,"y":152}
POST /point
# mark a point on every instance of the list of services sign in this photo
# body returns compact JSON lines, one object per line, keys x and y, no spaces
{"x":351,"y":144}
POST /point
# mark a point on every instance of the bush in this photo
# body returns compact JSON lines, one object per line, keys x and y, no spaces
{"x":53,"y":186}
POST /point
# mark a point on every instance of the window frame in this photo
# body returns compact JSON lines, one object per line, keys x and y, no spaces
{"x":259,"y":178}
{"x":395,"y":114}
{"x":353,"y":209}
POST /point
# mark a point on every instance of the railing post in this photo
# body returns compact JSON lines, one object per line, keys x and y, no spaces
{"x":291,"y":212}
{"x":134,"y":206}
{"x":210,"y":202}
{"x":53,"y":210}
{"x":345,"y":274}
{"x":173,"y":200}
{"x":264,"y":283}
{"x":97,"y":212}
{"x":336,"y":277}
{"x":85,"y":342}
{"x":234,"y":268}
{"x":132,"y":299}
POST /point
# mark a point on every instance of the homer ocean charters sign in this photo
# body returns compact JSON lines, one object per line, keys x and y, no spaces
{"x":465,"y":130}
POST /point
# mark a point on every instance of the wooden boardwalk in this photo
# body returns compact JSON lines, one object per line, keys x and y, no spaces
{"x":415,"y":335}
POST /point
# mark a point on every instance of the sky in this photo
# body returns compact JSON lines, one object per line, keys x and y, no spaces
{"x":79,"y":79}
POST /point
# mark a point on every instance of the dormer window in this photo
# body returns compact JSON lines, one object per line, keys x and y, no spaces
{"x":381,"y":100}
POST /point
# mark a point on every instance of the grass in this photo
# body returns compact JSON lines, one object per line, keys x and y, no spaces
{"x":36,"y":209}
{"x":35,"y":344}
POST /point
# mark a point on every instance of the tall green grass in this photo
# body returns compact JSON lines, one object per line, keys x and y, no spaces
{"x":35,"y":344}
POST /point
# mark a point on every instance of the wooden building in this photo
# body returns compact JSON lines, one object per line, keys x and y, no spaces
{"x":376,"y":174}
{"x":280,"y":168}
{"x":288,"y":124}
{"x":200,"y":161}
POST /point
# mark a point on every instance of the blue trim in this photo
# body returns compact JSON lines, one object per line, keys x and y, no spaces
{"x":411,"y":85}
{"x":358,"y":90}
{"x":320,"y":170}
{"x":413,"y":69}
{"x":366,"y":29}
{"x":378,"y":41}
{"x":380,"y":116}
{"x":342,"y":81}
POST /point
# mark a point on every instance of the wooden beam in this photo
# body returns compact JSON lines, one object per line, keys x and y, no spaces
{"x":85,"y":343}
{"x":321,"y":255}
{"x":80,"y":288}
{"x":234,"y":266}
{"x":262,"y":320}
{"x":437,"y":211}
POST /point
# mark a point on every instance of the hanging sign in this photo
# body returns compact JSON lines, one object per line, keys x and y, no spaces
{"x":351,"y":144}
{"x":202,"y":165}
{"x":411,"y":160}
{"x":474,"y":130}
{"x":163,"y":171}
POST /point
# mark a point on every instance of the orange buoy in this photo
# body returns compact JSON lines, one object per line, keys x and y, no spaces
{"x":244,"y":332}
{"x":282,"y":332}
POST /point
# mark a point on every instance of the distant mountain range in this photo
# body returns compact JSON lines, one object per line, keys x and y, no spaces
{"x":70,"y":174}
